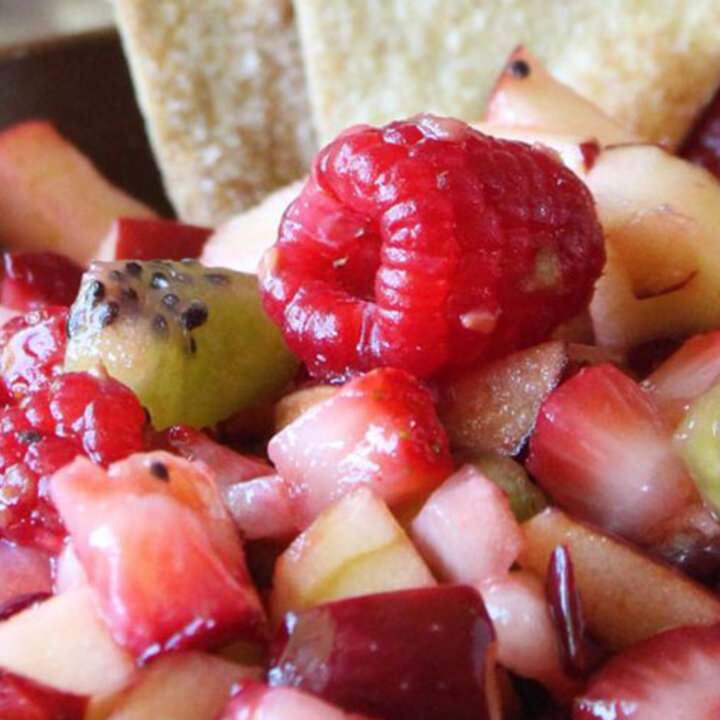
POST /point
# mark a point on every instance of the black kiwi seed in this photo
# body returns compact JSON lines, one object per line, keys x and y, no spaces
{"x":133,"y":269}
{"x":170,"y":300}
{"x":519,"y":68}
{"x":159,"y":470}
{"x":160,"y":325}
{"x":107,"y":314}
{"x":74,"y":322}
{"x":217,"y":278}
{"x":29,"y":436}
{"x":95,"y":292}
{"x":195,"y":316}
{"x":129,"y":294}
{"x":159,"y":280}
{"x":193,"y":346}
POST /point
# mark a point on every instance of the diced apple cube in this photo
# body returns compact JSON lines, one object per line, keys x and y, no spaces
{"x":51,"y":196}
{"x":62,"y":643}
{"x":527,"y":640}
{"x":466,"y":530}
{"x":178,"y":686}
{"x":240,"y":243}
{"x":493,"y":407}
{"x":662,"y":272}
{"x":626,"y":595}
{"x":355,"y":547}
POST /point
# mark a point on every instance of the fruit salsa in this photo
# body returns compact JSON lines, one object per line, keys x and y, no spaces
{"x":450,"y":453}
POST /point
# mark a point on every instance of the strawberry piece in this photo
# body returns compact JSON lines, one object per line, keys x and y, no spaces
{"x":674,"y":674}
{"x":601,"y":450}
{"x":426,"y":245}
{"x":33,"y":280}
{"x":379,"y":430}
{"x":32,"y":349}
{"x":24,"y":577}
{"x":685,"y":375}
{"x":169,"y":573}
{"x":702,"y":146}
{"x":153,"y":239}
{"x":23,"y":700}
{"x":228,"y":466}
{"x":254,"y":701}
{"x":262,"y":508}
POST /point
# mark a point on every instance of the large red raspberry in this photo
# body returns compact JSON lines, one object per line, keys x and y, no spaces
{"x":426,"y":245}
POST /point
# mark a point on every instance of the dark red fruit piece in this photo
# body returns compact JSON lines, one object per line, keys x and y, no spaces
{"x":423,"y":654}
{"x":32,"y":349}
{"x":23,"y":700}
{"x":702,"y":146}
{"x":153,"y":239}
{"x":33,"y":280}
{"x":671,"y":675}
{"x":566,"y":610}
{"x":426,"y":245}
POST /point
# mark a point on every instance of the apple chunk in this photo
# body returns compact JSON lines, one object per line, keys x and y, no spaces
{"x":493,"y":407}
{"x":354,"y":547}
{"x":240,"y":243}
{"x":426,"y":654}
{"x":660,"y":216}
{"x":51,"y":196}
{"x":466,"y":529}
{"x":626,"y":595}
{"x":526,"y":95}
{"x":63,"y":644}
{"x":182,"y":686}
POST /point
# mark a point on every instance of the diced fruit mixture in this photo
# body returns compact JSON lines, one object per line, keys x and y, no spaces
{"x":411,"y":469}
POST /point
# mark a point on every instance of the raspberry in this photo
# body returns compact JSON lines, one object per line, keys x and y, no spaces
{"x":426,"y":245}
{"x":77,"y":414}
{"x":32,"y":349}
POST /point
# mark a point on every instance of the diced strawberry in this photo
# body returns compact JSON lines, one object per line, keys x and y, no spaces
{"x":672,"y":675}
{"x":527,"y":640}
{"x":467,"y":531}
{"x":685,"y":375}
{"x":228,"y":466}
{"x":602,"y":451}
{"x":22,"y":700}
{"x":379,"y":430}
{"x":254,"y":701}
{"x":24,"y":576}
{"x":159,"y":550}
{"x":153,"y":239}
{"x":33,"y":280}
{"x":262,"y":508}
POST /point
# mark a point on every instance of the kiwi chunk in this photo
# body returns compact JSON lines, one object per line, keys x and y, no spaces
{"x":699,"y":439}
{"x":194,"y":343}
{"x":525,"y":497}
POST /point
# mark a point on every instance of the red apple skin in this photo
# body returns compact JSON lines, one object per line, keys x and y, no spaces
{"x":153,"y":239}
{"x":422,"y":654}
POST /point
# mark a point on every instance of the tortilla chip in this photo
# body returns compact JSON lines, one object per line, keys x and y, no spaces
{"x":222,"y":88}
{"x":650,"y":64}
